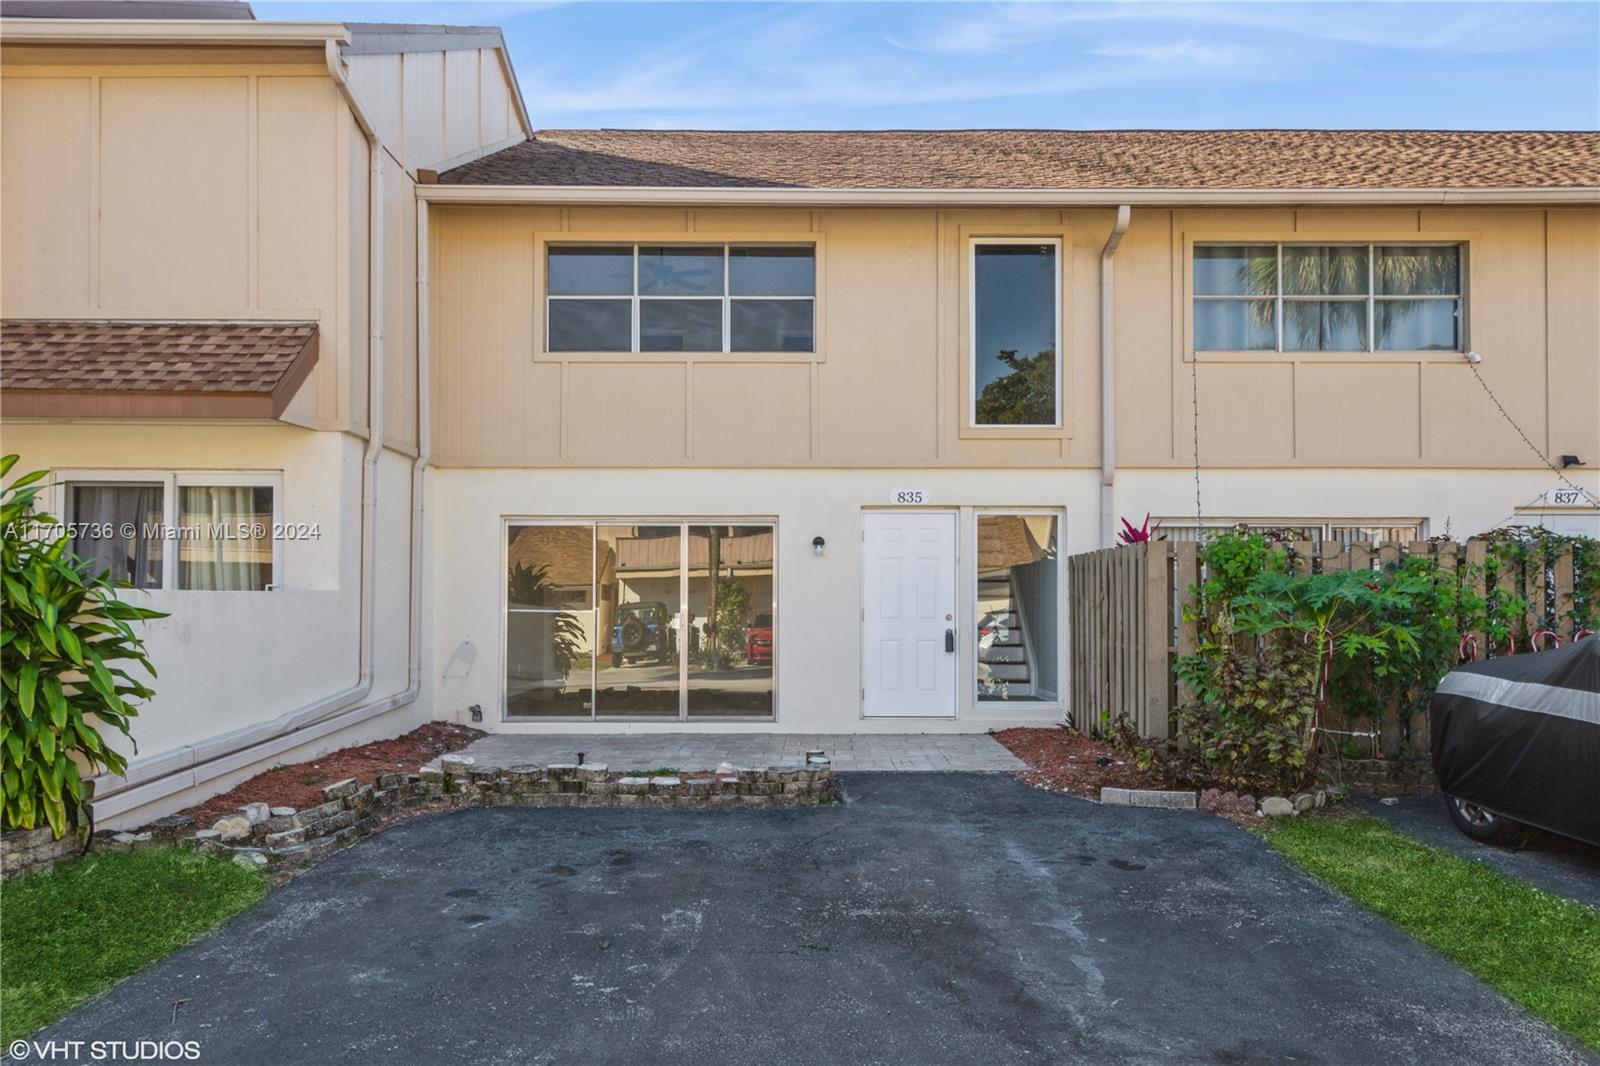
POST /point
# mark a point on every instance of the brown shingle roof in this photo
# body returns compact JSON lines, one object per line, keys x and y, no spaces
{"x":153,"y":369}
{"x":1044,"y":159}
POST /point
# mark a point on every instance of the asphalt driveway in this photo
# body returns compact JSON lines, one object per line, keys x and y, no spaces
{"x":1560,"y":866}
{"x":932,"y":919}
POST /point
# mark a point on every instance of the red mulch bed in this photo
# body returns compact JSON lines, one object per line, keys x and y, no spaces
{"x":1064,"y":760}
{"x":301,"y":785}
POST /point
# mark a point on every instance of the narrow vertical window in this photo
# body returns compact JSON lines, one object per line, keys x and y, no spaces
{"x":1018,"y":608}
{"x":1016,"y":319}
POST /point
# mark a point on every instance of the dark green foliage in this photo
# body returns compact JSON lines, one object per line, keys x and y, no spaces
{"x":65,"y":658}
{"x":1024,"y":397}
{"x":532,"y":585}
{"x":1268,"y":623}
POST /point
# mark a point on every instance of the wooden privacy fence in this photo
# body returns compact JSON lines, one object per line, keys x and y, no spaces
{"x":1125,"y":607}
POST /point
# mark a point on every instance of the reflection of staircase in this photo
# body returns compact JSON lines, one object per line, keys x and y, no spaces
{"x":1005,"y":661}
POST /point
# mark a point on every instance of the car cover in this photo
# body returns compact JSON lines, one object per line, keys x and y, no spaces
{"x":1520,"y":736}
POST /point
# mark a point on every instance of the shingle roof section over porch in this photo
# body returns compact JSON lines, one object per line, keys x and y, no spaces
{"x":72,"y":368}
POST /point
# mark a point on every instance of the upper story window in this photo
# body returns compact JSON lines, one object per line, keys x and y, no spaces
{"x":681,"y":298}
{"x":1016,"y":332}
{"x":1327,"y":297}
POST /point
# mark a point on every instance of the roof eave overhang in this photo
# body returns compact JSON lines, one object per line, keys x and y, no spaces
{"x":797,"y":197}
{"x":265,"y":404}
{"x":173,"y":32}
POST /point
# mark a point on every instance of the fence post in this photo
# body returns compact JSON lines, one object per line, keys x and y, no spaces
{"x":1476,"y":579}
{"x":1505,"y":590}
{"x":1157,"y":596}
{"x":1186,"y":575}
{"x":1561,"y":573}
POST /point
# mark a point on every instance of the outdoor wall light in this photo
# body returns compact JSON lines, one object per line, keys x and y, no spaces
{"x":1571,"y":460}
{"x":817,"y":544}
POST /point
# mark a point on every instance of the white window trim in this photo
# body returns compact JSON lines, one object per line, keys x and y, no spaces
{"x":972,"y":332}
{"x":726,"y":298}
{"x":1371,"y":298}
{"x":171,"y":481}
{"x":1224,"y":525}
{"x":509,"y":522}
{"x":979,"y":704}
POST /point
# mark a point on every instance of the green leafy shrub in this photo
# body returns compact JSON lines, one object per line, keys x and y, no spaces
{"x":1269,"y":624}
{"x":67,"y":640}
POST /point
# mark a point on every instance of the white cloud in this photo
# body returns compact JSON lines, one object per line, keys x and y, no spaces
{"x":1188,"y":53}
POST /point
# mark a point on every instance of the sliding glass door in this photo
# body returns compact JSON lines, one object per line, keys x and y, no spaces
{"x":641,"y":620}
{"x":617,"y":619}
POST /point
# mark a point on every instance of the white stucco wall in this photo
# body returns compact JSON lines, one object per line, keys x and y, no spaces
{"x":1460,"y":503}
{"x":819,"y":633}
{"x":227,"y":660}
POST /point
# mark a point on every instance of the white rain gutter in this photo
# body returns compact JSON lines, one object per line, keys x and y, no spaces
{"x":792,"y":197}
{"x":424,"y":444}
{"x":1108,"y":375}
{"x":159,"y":776}
{"x":22,"y":30}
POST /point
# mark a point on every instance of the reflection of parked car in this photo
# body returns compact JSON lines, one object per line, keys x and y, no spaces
{"x":643,"y":631}
{"x":758,"y":640}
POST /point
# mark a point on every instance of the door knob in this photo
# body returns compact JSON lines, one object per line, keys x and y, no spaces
{"x":949,"y":640}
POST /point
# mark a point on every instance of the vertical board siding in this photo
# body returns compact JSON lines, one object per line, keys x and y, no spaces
{"x":1126,"y":608}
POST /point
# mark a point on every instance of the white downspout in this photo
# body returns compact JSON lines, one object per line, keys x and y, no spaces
{"x":424,"y":444}
{"x":171,"y":772}
{"x":1108,"y":377}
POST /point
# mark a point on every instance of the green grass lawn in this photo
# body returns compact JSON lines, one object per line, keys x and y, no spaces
{"x":71,"y":933}
{"x":1539,"y":950}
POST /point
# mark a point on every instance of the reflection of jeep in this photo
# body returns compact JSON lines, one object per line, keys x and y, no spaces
{"x":643,"y":631}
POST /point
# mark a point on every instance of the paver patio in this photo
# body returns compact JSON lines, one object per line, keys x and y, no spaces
{"x":937,"y":752}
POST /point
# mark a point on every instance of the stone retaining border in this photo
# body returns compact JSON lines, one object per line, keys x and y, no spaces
{"x":1148,"y":797}
{"x":258,"y":836}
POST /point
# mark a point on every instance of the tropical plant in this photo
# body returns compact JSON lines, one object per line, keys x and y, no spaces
{"x":1270,"y":629}
{"x":532,"y":585}
{"x":1143,"y":533}
{"x":733,"y":615}
{"x":65,"y":658}
{"x":1024,"y":396}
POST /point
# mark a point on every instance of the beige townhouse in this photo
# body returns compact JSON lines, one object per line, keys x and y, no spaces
{"x":209,"y":294}
{"x":695,"y":431}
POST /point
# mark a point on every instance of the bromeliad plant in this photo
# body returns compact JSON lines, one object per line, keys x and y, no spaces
{"x":65,"y":655}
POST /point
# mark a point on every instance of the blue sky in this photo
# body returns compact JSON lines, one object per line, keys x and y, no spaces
{"x":1123,"y":65}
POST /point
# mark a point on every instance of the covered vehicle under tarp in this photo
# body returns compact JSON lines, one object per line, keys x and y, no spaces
{"x":1520,"y":736}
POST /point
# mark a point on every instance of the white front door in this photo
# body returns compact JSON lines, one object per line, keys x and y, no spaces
{"x":908,"y":600}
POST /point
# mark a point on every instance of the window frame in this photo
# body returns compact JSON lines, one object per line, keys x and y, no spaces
{"x":973,"y":241}
{"x":1371,"y":352}
{"x":1327,"y":524}
{"x":171,"y":481}
{"x":975,"y":696}
{"x":683,"y":717}
{"x":636,"y":299}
